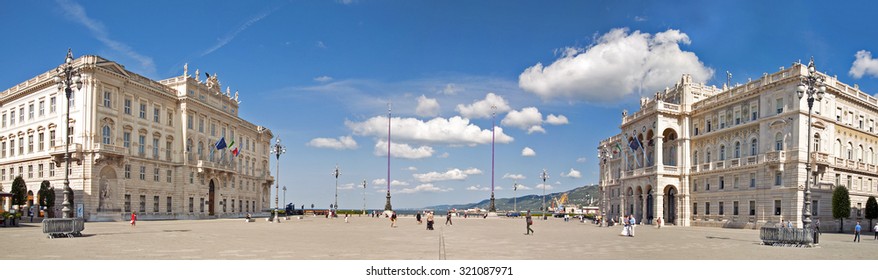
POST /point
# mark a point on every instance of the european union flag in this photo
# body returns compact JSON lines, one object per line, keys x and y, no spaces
{"x":221,"y":144}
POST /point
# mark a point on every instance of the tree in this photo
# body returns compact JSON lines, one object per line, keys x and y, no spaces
{"x":19,"y":192}
{"x":841,"y":205}
{"x":47,"y":198}
{"x":871,"y":209}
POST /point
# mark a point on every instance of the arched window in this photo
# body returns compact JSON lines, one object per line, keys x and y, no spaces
{"x":707,"y":160}
{"x":754,"y":147}
{"x":869,"y":156}
{"x":850,"y":151}
{"x":200,"y":150}
{"x":722,"y":152}
{"x":695,"y":157}
{"x":778,"y":142}
{"x":188,"y":145}
{"x":860,"y":153}
{"x":106,"y":134}
{"x":837,"y":152}
{"x":816,"y":142}
{"x":737,"y":149}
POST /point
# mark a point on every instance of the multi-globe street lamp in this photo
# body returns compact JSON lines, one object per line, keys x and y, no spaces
{"x":336,"y":173}
{"x":813,"y":87}
{"x":277,"y":150}
{"x":67,"y":79}
{"x":544,"y":176}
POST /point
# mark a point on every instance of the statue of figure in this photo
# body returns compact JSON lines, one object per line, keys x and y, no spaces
{"x":228,"y":91}
{"x":624,"y":113}
{"x":236,"y":95}
{"x":196,"y":76}
{"x":186,"y":70}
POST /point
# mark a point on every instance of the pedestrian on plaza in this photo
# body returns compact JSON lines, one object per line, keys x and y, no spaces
{"x":875,"y":229}
{"x":789,"y":223}
{"x":30,"y":213}
{"x":418,"y":217}
{"x":632,"y":223}
{"x":133,"y":219}
{"x":393,"y":219}
{"x":345,"y":218}
{"x":659,"y":222}
{"x":857,"y":229}
{"x":429,"y":220}
{"x":817,"y":226}
{"x":529,"y":220}
{"x":448,"y":219}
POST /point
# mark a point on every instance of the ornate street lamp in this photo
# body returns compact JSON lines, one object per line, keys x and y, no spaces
{"x":544,"y":176}
{"x":814,"y":88}
{"x":277,"y":150}
{"x":387,"y":207}
{"x":67,"y":78}
{"x":491,"y":208}
{"x":336,"y":173}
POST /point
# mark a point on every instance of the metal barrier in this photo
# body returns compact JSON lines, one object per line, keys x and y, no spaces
{"x":58,"y":227}
{"x":786,"y":236}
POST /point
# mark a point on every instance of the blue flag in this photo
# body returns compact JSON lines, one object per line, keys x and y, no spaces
{"x":221,"y":144}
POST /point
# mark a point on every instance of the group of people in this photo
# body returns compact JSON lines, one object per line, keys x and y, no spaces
{"x":629,"y":223}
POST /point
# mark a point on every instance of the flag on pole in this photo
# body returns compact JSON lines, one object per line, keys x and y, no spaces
{"x":235,"y":151}
{"x":221,"y":144}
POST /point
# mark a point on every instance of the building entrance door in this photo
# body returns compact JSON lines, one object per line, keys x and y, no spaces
{"x":210,"y":199}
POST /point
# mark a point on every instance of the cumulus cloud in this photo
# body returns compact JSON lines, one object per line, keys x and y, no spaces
{"x":452,"y":174}
{"x":383,"y":182}
{"x":451,"y":131}
{"x":427,"y":107}
{"x":405,"y":151}
{"x":529,"y":119}
{"x":523,"y":187}
{"x":617,"y":65}
{"x":864,"y":65}
{"x":323,"y":79}
{"x":342,"y":143}
{"x":514,"y":176}
{"x":481,"y":109}
{"x":556,"y":120}
{"x":424,"y":188}
{"x":528,"y":152}
{"x":548,"y":187}
{"x":573,"y":173}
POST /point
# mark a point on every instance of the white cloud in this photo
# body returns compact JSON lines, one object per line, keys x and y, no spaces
{"x":617,"y":65}
{"x":523,"y":187}
{"x":582,"y":159}
{"x":411,"y":168}
{"x":528,"y":152}
{"x":234,"y":33}
{"x":484,"y":189}
{"x":452,"y":174}
{"x":529,"y":119}
{"x":77,"y":14}
{"x":424,"y":188}
{"x":427,"y":107}
{"x":452,"y":131}
{"x":556,"y":120}
{"x":383,"y":182}
{"x":514,"y":176}
{"x":348,"y":186}
{"x":342,"y":143}
{"x":444,"y":155}
{"x":320,"y":45}
{"x":450,"y":89}
{"x":573,"y":173}
{"x":405,"y":151}
{"x":482,"y":108}
{"x":323,"y":79}
{"x":864,"y":65}
{"x":548,"y":187}
{"x":639,"y":18}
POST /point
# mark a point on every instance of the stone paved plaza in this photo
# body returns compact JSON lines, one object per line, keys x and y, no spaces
{"x":317,"y":238}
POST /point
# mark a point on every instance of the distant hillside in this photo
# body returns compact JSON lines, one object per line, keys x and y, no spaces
{"x":532,"y":202}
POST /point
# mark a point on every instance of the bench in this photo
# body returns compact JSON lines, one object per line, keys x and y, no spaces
{"x":60,"y":227}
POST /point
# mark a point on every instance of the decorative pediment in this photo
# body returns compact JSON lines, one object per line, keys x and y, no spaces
{"x":778,"y":123}
{"x":818,"y":125}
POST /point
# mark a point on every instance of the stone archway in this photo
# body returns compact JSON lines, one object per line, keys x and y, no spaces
{"x":106,"y":182}
{"x":638,"y":203}
{"x":650,"y":206}
{"x":211,"y":194}
{"x":671,"y":205}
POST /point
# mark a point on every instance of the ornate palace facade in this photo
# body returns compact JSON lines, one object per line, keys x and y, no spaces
{"x":136,"y":145}
{"x":735,"y":157}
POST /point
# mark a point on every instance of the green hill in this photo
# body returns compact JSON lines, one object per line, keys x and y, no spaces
{"x":532,"y":202}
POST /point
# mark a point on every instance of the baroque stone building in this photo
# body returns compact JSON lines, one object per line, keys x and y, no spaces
{"x":699,"y":155}
{"x":136,"y":145}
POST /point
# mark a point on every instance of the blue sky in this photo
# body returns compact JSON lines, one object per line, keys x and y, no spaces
{"x":319,"y":74}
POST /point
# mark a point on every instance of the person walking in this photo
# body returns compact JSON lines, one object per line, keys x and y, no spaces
{"x":30,"y":213}
{"x":659,"y":222}
{"x":418,"y":217}
{"x":529,"y":220}
{"x":632,"y":223}
{"x":857,"y":229}
{"x":133,"y":219}
{"x":448,"y":219}
{"x":875,"y":229}
{"x":429,"y":220}
{"x":393,"y":219}
{"x":817,"y":226}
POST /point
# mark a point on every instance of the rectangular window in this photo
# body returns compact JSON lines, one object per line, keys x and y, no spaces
{"x":4,"y":119}
{"x":752,"y":208}
{"x":224,"y":205}
{"x":107,"y":101}
{"x":155,"y":174}
{"x":189,"y":121}
{"x":127,"y":171}
{"x":127,"y":106}
{"x":838,"y":179}
{"x":142,"y":111}
{"x":126,"y":139}
{"x":859,"y":209}
{"x":722,"y":182}
{"x":3,"y":149}
{"x":52,"y":138}
{"x":752,"y":180}
{"x":815,"y":208}
{"x":143,"y":173}
{"x":777,"y":208}
{"x":155,"y":148}
{"x":838,"y":113}
{"x":51,"y":170}
{"x":707,"y":208}
{"x":12,"y":117}
{"x":40,"y":170}
{"x":191,"y":204}
{"x":41,"y":141}
{"x":170,"y":118}
{"x":779,"y":105}
{"x":201,"y":125}
{"x":30,"y":143}
{"x":141,"y":148}
{"x":191,"y":177}
{"x":30,"y":111}
{"x":778,"y":178}
{"x":52,"y":104}
{"x":212,"y":129}
{"x":201,"y":205}
{"x":142,"y":203}
{"x":3,"y":174}
{"x":21,"y":114}
{"x":170,"y":204}
{"x":721,"y":208}
{"x":168,"y":150}
{"x":850,"y":184}
{"x":155,"y":204}
{"x":21,"y":145}
{"x":11,"y":147}
{"x":30,"y":171}
{"x":735,"y":208}
{"x":155,"y":115}
{"x":169,"y":172}
{"x":127,"y":203}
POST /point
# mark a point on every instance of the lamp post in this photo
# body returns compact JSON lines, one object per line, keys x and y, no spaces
{"x":336,"y":173}
{"x":67,"y":78}
{"x":491,"y":208}
{"x":364,"y":196}
{"x":388,"y":209}
{"x":544,"y":176}
{"x":514,"y":197}
{"x":813,"y":87}
{"x":277,"y":150}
